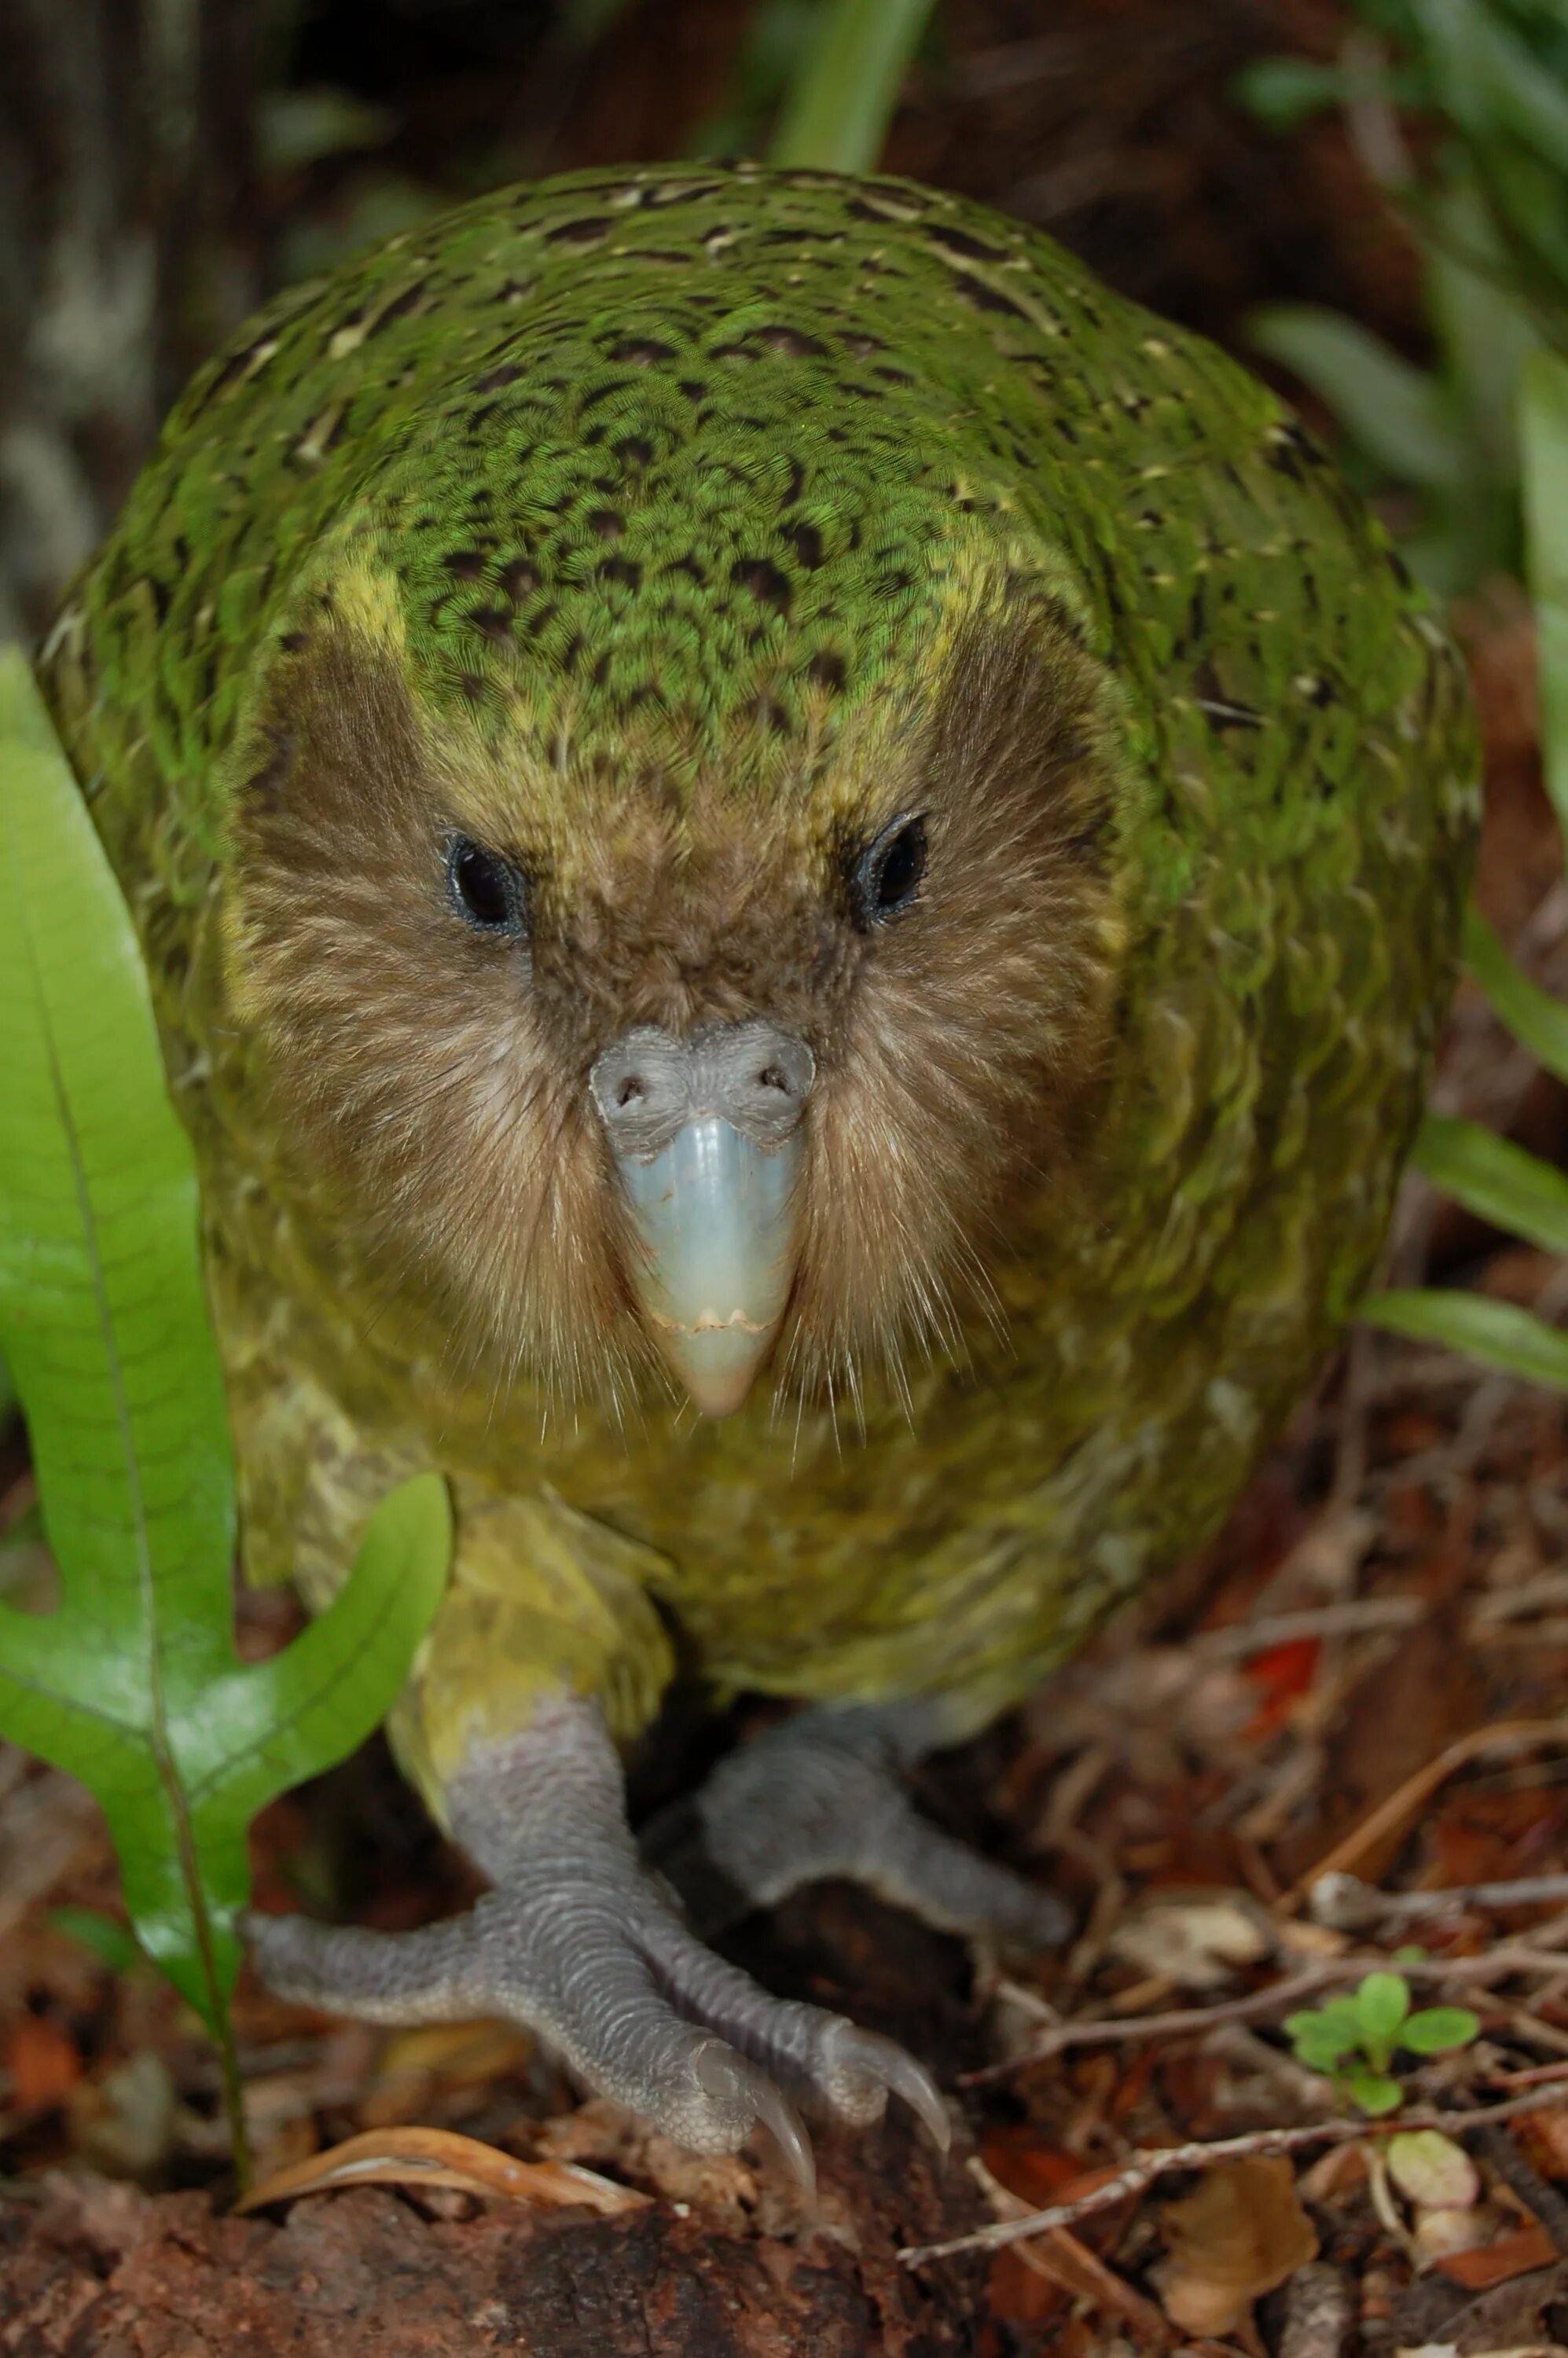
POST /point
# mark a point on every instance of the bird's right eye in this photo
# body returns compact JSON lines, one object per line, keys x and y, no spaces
{"x":485,"y":888}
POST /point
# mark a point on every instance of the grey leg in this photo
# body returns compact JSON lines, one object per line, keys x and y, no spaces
{"x":821,"y":1794}
{"x":578,"y":1942}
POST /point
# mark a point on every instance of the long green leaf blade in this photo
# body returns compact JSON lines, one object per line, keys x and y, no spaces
{"x":102,"y":1314}
{"x":1536,"y":1020}
{"x":1490,"y":82}
{"x":1496,"y":1333}
{"x":104,"y":1323}
{"x":272,"y":1724}
{"x":131,"y":1684}
{"x":1395,"y":413}
{"x":1543,"y":433}
{"x":1495,"y":1179}
{"x":836,"y":115}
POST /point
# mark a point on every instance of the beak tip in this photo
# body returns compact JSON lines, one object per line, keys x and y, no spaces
{"x":716,"y":1369}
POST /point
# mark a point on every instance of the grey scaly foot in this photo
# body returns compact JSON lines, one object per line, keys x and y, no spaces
{"x":578,"y":1942}
{"x":821,"y":1794}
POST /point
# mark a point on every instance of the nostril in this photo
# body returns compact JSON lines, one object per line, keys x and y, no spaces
{"x":770,"y":1078}
{"x":631,"y":1089}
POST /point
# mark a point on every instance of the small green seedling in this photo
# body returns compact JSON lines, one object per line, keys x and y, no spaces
{"x":1353,"y":2039}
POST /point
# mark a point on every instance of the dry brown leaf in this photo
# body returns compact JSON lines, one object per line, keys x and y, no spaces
{"x":43,"y":2062}
{"x":1511,"y":2255}
{"x":467,"y":2054}
{"x":1239,"y":2236}
{"x":414,"y":2065}
{"x":1391,"y":1815}
{"x":1440,"y":2235}
{"x":1544,"y":2137}
{"x":1197,"y":1939}
{"x":417,"y":2157}
{"x":1432,"y":2171}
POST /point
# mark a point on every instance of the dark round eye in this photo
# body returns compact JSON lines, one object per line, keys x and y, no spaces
{"x":487,"y":890}
{"x":886,"y":876}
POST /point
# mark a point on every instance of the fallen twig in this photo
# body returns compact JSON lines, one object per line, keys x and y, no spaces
{"x":1539,"y":2075}
{"x":1538,"y":1955}
{"x":1257,"y":2005}
{"x":1162,"y":2161}
{"x":1354,"y":1618}
{"x":1346,"y":1904}
{"x":1390,"y":1816}
{"x":1516,"y":2170}
{"x":1072,"y":2266}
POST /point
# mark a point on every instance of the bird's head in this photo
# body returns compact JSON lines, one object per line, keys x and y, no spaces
{"x":687,"y":957}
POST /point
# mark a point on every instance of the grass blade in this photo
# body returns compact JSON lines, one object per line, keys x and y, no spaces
{"x":1495,"y":1179}
{"x":132,"y":1683}
{"x":1497,"y":1333}
{"x":1536,"y":1020}
{"x":1391,"y":409}
{"x":104,"y":1322}
{"x":1543,"y":430}
{"x":836,"y":115}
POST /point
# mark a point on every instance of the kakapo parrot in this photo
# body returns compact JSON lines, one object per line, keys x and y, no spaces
{"x":798,"y":873}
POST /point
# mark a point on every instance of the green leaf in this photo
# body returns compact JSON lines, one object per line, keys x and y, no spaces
{"x":1431,"y":2170}
{"x":1373,"y":2092}
{"x":835,"y":116}
{"x":296,"y":128}
{"x":112,"y":1942}
{"x":1284,"y":93}
{"x":1544,"y":431}
{"x":1495,"y":1179}
{"x":1538,"y":1021}
{"x":133,"y":1685}
{"x":104,"y":1323}
{"x":1397,"y":415}
{"x":1322,"y":2036}
{"x":1382,"y":2002}
{"x":1437,"y":2028}
{"x":1497,"y":1333}
{"x":1491,"y":82}
{"x":1321,"y":2051}
{"x":7,"y":1393}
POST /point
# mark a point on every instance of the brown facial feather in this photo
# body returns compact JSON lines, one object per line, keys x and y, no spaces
{"x":966,"y":1069}
{"x":431,"y":1081}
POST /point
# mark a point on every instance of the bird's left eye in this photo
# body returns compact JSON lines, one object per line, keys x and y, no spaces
{"x":485,"y":888}
{"x":886,"y":876}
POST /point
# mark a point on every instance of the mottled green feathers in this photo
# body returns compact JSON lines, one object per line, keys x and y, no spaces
{"x":716,"y":478}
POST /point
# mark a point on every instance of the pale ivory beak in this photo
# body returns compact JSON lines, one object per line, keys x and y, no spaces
{"x":715,"y":1232}
{"x":707,"y":1137}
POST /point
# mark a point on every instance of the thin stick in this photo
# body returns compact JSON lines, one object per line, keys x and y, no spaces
{"x":1354,"y":1618}
{"x":1114,"y":2029}
{"x":1517,"y":2171}
{"x":1072,"y":2266}
{"x":1258,"y":2006}
{"x":1145,"y":2167}
{"x":1390,"y":1816}
{"x":1539,"y":2075}
{"x":1348,"y":1905}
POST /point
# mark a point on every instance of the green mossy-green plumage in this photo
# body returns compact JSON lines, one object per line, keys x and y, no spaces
{"x":712,"y":477}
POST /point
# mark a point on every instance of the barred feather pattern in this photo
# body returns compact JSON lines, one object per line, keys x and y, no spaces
{"x":671,"y":530}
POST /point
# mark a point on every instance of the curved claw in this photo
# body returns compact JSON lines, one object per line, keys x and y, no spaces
{"x":742,"y":2087}
{"x":884,"y":2061}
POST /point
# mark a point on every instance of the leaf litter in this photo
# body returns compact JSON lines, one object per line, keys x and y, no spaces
{"x":1337,"y":1736}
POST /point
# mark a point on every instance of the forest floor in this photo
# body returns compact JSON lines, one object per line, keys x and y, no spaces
{"x":1323,"y":1748}
{"x":1363,"y":1678}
